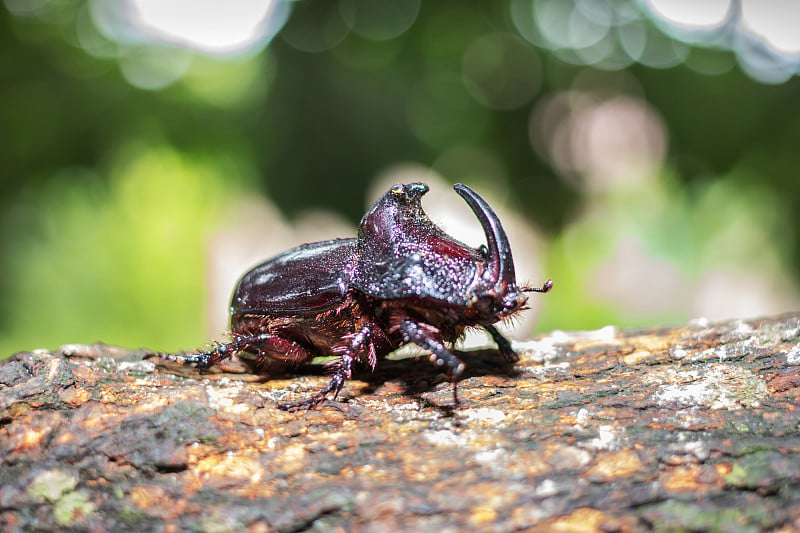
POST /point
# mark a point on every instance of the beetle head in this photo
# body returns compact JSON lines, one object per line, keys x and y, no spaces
{"x":495,"y":295}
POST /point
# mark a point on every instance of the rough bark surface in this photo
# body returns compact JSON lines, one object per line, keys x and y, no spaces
{"x":692,"y":428}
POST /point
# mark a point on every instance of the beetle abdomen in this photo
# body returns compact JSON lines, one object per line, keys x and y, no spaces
{"x":310,"y":278}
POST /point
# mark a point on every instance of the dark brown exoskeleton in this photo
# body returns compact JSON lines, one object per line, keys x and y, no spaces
{"x":402,"y":280}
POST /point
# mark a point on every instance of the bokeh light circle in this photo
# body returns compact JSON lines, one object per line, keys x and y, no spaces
{"x":501,"y":71}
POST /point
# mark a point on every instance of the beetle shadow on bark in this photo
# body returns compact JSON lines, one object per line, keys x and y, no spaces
{"x":415,"y":370}
{"x":419,"y":376}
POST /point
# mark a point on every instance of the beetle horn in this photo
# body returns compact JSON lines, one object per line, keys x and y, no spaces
{"x":500,"y":267}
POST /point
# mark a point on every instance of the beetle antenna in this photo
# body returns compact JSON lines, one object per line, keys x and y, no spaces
{"x":544,"y":288}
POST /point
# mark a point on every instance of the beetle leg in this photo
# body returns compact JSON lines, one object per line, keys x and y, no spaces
{"x":423,"y":336}
{"x":343,"y":369}
{"x":201,"y":360}
{"x":337,"y":382}
{"x":503,"y":344}
{"x":366,"y":337}
{"x":262,"y":345}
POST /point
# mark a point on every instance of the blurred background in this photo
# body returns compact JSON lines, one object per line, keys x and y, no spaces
{"x":643,"y":154}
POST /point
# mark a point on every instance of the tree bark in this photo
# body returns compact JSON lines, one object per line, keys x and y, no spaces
{"x":689,"y":428}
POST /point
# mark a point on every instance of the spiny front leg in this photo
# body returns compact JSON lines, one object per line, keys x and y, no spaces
{"x":427,"y":337}
{"x":503,"y":344}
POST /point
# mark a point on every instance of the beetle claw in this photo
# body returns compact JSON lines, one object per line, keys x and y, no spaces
{"x":335,"y":386}
{"x":307,"y":404}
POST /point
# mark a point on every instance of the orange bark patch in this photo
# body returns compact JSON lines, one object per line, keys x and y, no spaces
{"x":615,"y":464}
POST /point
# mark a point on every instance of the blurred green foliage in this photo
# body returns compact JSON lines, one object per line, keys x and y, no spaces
{"x":111,"y":193}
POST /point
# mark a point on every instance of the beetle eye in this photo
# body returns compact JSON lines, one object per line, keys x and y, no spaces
{"x":397,"y":190}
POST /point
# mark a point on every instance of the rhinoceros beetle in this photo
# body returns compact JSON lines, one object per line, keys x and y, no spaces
{"x":401,"y":280}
